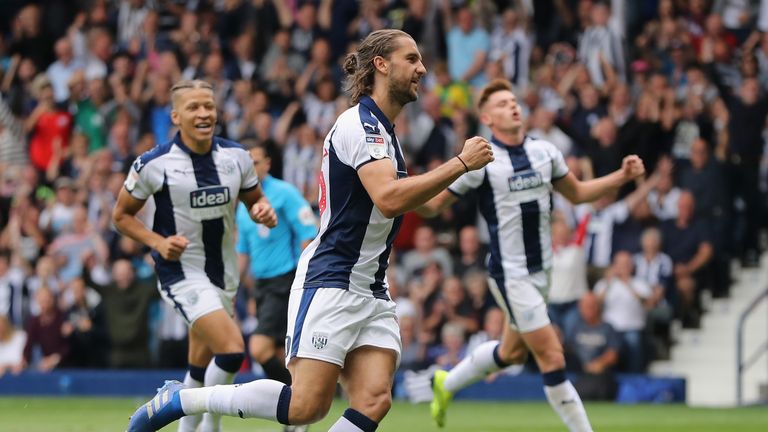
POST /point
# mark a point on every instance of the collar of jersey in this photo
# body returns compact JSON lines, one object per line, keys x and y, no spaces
{"x":177,"y":140}
{"x":508,"y":147}
{"x":371,"y":105}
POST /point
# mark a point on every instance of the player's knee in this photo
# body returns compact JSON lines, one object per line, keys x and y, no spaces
{"x":551,"y":358}
{"x":374,"y":404}
{"x":308,"y":410}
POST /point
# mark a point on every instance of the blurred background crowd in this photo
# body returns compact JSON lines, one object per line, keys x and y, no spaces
{"x":682,"y":83}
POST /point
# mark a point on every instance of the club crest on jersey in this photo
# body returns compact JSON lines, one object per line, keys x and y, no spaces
{"x":525,"y":180}
{"x":377,"y":147}
{"x":319,"y":340}
{"x":212,"y":196}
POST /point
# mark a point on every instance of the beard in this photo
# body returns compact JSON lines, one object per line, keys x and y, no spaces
{"x":400,"y":92}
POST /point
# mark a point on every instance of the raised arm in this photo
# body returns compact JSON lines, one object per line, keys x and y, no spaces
{"x":395,"y":196}
{"x":577,"y":191}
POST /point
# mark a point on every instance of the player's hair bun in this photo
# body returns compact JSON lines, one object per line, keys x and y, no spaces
{"x":350,"y":63}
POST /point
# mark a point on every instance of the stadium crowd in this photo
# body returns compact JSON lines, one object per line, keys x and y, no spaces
{"x":681,"y":83}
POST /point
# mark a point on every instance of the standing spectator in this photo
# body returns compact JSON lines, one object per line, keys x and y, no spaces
{"x":126,"y":303}
{"x":748,"y":111}
{"x":12,"y":138}
{"x":600,"y":47}
{"x":625,"y":300}
{"x":49,"y":128}
{"x":468,"y":46}
{"x":61,"y":71}
{"x":709,"y":186}
{"x":30,"y":39}
{"x":511,"y":46}
{"x":46,"y":347}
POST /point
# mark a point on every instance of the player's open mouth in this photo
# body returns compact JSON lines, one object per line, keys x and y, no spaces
{"x":203,"y":127}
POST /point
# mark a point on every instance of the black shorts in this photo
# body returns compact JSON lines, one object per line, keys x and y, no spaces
{"x":272,"y":306}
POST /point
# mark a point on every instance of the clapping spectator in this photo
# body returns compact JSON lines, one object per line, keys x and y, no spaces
{"x":625,"y":300}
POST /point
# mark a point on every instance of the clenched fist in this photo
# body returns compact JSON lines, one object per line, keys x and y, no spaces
{"x":477,"y":153}
{"x":632,"y":167}
{"x":263,"y":213}
{"x":172,"y":247}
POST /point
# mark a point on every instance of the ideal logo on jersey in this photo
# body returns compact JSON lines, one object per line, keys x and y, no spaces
{"x":525,"y":180}
{"x":209,"y":197}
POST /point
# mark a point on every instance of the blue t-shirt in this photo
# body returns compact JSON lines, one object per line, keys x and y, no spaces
{"x":462,"y":49}
{"x":276,"y":251}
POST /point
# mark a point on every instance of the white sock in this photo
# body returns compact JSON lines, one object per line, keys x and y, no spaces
{"x":189,"y":423}
{"x":476,"y":366}
{"x":344,"y":425}
{"x":258,"y":399}
{"x":353,"y":421}
{"x":214,"y":375}
{"x":567,"y":404}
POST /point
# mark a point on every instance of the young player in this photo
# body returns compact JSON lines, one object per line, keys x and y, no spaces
{"x":514,"y":192}
{"x":195,"y":180}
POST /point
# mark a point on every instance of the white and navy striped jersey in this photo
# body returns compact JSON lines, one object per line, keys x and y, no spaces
{"x":657,"y":271}
{"x":195,"y":196}
{"x":515,"y":200}
{"x":352,"y":249}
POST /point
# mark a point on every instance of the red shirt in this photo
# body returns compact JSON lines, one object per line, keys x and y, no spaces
{"x":50,"y":126}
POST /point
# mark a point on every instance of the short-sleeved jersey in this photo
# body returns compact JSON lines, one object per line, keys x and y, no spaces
{"x":514,"y":194}
{"x":352,"y":248}
{"x":274,"y":252}
{"x":195,"y":196}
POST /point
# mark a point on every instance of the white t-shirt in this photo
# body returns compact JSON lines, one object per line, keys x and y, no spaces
{"x":621,"y":309}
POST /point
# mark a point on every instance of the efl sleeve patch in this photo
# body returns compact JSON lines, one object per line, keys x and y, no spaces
{"x":377,"y":147}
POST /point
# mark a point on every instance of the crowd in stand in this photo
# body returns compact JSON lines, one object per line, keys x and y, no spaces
{"x":681,"y":83}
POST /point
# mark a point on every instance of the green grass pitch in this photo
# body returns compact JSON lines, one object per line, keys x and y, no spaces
{"x":25,"y":414}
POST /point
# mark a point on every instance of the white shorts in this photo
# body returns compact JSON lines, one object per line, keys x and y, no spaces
{"x":523,"y":300}
{"x":327,"y":323}
{"x":195,"y":298}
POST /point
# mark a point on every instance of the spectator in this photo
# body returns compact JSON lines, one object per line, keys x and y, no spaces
{"x":414,"y":352}
{"x":85,"y":327}
{"x":688,"y":242}
{"x":471,"y":254}
{"x":69,"y":248}
{"x":452,"y":349}
{"x":128,"y":326}
{"x":49,"y":128}
{"x":58,"y":217}
{"x":569,"y":275}
{"x":600,"y":47}
{"x":12,"y":343}
{"x":60,"y":72}
{"x":655,"y":268}
{"x":468,"y":46}
{"x":709,"y":186}
{"x":512,"y":47}
{"x":46,"y":348}
{"x":596,"y":346}
{"x":625,"y":300}
{"x":425,"y":252}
